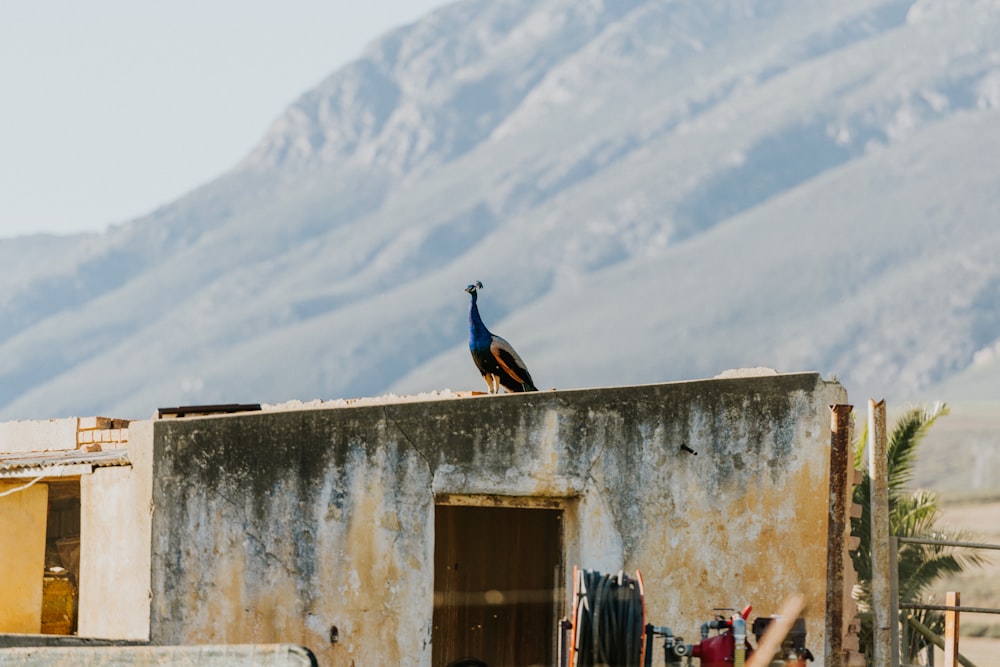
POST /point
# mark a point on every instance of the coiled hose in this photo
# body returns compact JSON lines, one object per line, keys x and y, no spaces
{"x":609,"y":620}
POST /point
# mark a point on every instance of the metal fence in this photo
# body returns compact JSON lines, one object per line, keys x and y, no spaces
{"x":953,"y":609}
{"x":885,"y":605}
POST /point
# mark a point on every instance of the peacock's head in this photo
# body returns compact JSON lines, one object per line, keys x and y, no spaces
{"x":474,"y":287}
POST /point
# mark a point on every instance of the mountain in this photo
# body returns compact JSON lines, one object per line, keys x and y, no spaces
{"x":650,"y":191}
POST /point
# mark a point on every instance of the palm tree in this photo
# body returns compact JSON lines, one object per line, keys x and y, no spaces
{"x":911,"y":514}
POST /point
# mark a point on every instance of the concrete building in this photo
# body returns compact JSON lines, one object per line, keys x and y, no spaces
{"x":418,"y":530}
{"x":74,"y":527}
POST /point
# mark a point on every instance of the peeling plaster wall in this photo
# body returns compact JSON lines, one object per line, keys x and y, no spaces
{"x":115,"y":539}
{"x":273,"y":527}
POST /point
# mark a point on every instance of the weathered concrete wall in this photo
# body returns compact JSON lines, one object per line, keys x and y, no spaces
{"x":115,"y":520}
{"x":22,"y":555}
{"x":276,"y":526}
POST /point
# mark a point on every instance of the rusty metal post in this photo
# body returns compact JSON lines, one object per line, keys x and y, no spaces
{"x":839,"y":603}
{"x":878,"y":472}
{"x":951,"y":627}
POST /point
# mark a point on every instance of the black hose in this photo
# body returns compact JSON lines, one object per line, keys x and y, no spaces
{"x":609,"y":623}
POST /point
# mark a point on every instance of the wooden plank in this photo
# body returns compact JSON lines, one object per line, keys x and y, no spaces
{"x":951,"y":629}
{"x":776,"y":632}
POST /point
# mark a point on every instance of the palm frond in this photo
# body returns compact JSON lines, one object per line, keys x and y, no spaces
{"x":860,"y":446}
{"x":904,"y":440}
{"x":920,"y":568}
{"x":913,"y":515}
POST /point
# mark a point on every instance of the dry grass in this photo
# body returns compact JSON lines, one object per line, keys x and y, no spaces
{"x":982,"y":652}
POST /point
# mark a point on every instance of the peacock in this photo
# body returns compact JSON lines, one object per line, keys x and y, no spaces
{"x":495,"y":358}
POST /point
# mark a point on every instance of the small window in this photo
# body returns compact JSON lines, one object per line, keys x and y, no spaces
{"x":497,"y":585}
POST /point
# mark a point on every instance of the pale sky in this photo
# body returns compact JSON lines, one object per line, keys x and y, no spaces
{"x":111,"y":108}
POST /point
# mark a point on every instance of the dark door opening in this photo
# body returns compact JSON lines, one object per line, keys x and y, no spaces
{"x":61,"y":584}
{"x":496,"y":585}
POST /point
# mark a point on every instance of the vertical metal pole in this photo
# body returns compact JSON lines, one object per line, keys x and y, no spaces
{"x":904,"y":639}
{"x":894,"y":600}
{"x":878,"y":471}
{"x":561,"y":657}
{"x":951,"y":626}
{"x":839,"y":604}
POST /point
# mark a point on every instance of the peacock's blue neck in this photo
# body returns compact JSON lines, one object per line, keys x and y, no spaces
{"x":479,"y":335}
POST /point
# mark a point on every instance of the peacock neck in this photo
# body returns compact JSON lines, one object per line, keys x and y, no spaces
{"x":477,"y":330}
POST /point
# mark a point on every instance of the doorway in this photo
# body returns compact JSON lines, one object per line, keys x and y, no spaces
{"x":60,"y":586}
{"x":497,"y":584}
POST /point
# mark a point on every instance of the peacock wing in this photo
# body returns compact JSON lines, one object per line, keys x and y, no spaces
{"x":510,"y":361}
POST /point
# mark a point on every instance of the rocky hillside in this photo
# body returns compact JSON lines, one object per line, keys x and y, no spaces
{"x":650,"y":191}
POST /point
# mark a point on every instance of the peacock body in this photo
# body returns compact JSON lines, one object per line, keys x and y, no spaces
{"x":495,"y":358}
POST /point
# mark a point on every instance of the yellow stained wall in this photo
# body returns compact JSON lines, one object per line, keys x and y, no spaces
{"x":22,"y":556}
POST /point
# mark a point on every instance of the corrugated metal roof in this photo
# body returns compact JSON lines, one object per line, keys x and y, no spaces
{"x":38,"y":462}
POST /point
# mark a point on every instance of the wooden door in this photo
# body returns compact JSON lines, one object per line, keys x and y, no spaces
{"x":496,"y":585}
